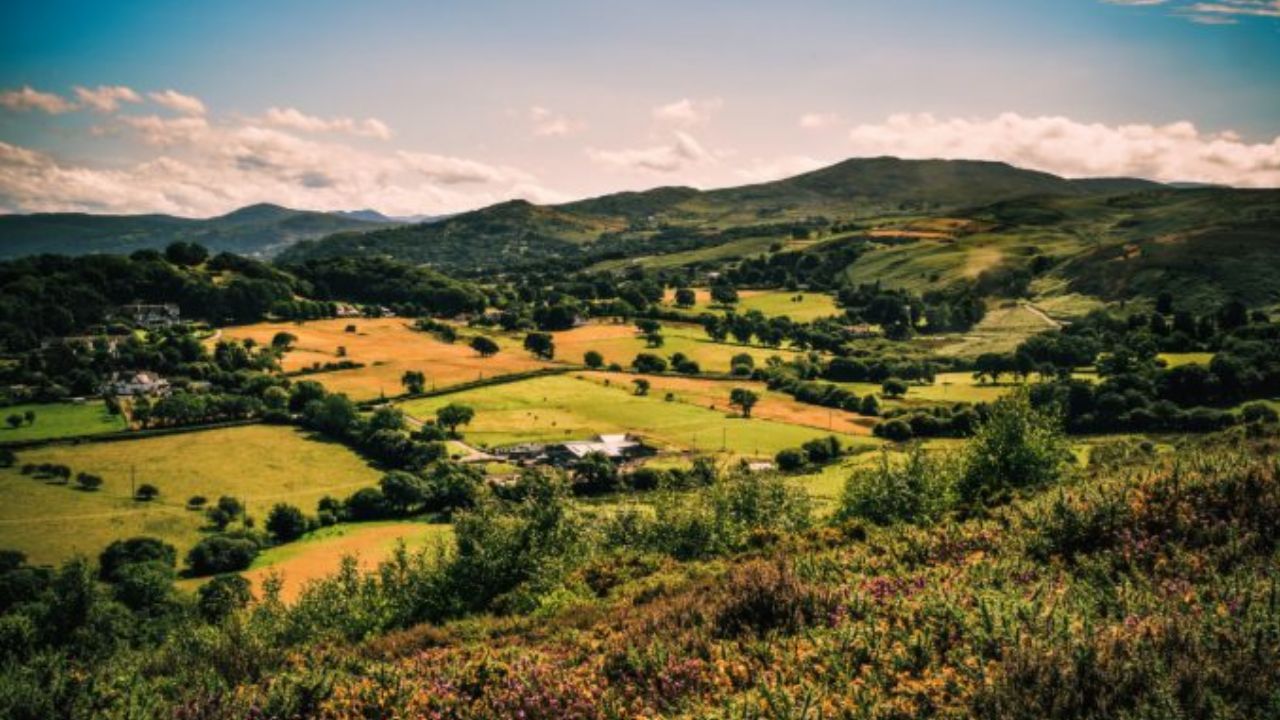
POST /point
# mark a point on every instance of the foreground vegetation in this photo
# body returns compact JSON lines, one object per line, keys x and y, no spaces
{"x":996,"y":582}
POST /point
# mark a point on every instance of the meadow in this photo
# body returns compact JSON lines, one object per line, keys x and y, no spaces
{"x":320,"y":553}
{"x":569,"y":407}
{"x":260,"y":464}
{"x":620,"y":343}
{"x":59,"y":420}
{"x":1000,"y":331}
{"x":800,"y":306}
{"x":387,"y":347}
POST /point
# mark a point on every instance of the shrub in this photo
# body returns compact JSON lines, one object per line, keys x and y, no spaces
{"x":1017,"y":446}
{"x":222,"y":596}
{"x":286,"y":523}
{"x":760,"y":596}
{"x":915,"y":490}
{"x":134,"y":550}
{"x":895,"y":430}
{"x":221,"y":553}
{"x":790,"y":459}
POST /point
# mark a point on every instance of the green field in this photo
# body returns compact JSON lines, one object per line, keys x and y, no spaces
{"x":58,"y":420}
{"x":567,"y":408}
{"x":261,"y":464}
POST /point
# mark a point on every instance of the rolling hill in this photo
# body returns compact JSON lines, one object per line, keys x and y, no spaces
{"x":668,"y":219}
{"x":257,"y":230}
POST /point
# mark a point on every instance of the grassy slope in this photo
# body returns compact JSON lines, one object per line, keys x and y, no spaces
{"x":570,"y":408}
{"x":260,"y":464}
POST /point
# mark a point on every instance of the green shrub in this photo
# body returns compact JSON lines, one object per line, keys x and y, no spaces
{"x":916,"y":489}
{"x":1016,"y":447}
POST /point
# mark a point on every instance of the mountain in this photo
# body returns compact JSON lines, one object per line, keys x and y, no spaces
{"x":371,"y":215}
{"x":669,"y":219}
{"x":261,"y":230}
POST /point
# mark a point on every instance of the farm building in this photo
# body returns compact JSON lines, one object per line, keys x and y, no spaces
{"x":152,"y":316}
{"x":138,"y":383}
{"x":618,"y":448}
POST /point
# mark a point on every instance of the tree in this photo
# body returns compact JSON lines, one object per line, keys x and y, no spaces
{"x":724,"y":294}
{"x":14,"y":420}
{"x":414,"y":381}
{"x":221,"y":553}
{"x":654,"y":340}
{"x":1017,"y":446}
{"x":286,"y":523}
{"x":894,"y":388}
{"x":453,"y":415}
{"x":146,"y":492}
{"x":595,"y":474}
{"x":869,"y":406}
{"x":134,"y":550}
{"x":593,"y":359}
{"x":29,"y":416}
{"x":195,"y":502}
{"x":743,"y":398}
{"x":685,"y":297}
{"x":187,"y":254}
{"x":649,"y":363}
{"x":642,"y":386}
{"x":790,"y":459}
{"x":88,"y":482}
{"x":541,"y":345}
{"x":222,"y":596}
{"x":334,"y":415}
{"x":484,"y":347}
{"x":283,"y":340}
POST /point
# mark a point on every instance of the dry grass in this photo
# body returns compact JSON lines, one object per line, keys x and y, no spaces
{"x":387,"y":347}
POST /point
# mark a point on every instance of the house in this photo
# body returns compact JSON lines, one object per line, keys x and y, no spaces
{"x":864,"y":331}
{"x":152,"y":316}
{"x":133,"y":384}
{"x":618,"y":448}
{"x":343,"y":310}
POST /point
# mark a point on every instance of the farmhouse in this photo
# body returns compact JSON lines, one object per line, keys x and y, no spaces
{"x":618,"y":448}
{"x":152,"y":316}
{"x":138,"y":383}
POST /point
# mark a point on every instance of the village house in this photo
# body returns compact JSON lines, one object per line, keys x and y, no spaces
{"x":152,"y":316}
{"x":619,"y":448}
{"x":134,"y":384}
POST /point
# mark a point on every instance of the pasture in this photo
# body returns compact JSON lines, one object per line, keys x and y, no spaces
{"x":387,"y":347}
{"x":319,"y":554}
{"x":620,"y":343}
{"x":260,"y":464}
{"x":1000,"y":331}
{"x":799,"y":306}
{"x":59,"y":420}
{"x":568,"y":407}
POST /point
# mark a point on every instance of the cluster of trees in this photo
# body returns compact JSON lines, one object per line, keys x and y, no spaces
{"x":812,"y":454}
{"x":902,"y":314}
{"x":410,"y":290}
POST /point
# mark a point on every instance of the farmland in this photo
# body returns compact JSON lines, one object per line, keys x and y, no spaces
{"x":387,"y":347}
{"x":57,"y":420}
{"x":259,"y":464}
{"x":620,"y":343}
{"x":570,"y":407}
{"x":799,"y":306}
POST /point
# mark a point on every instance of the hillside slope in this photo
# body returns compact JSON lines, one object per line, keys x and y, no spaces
{"x":257,"y":230}
{"x":668,"y":219}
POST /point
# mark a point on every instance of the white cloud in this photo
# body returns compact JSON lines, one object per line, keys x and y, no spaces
{"x":547,"y":123}
{"x":107,"y":98}
{"x":29,"y":98}
{"x":687,"y":112}
{"x":818,"y":120}
{"x":1173,"y":152}
{"x":1212,"y":12}
{"x":295,"y":119}
{"x":177,"y":102}
{"x":682,"y":152}
{"x":201,"y":167}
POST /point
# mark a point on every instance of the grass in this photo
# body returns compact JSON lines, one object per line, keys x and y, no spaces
{"x":620,"y":343}
{"x":261,"y":464}
{"x":1001,"y":331}
{"x":570,"y":407}
{"x":1189,"y":358}
{"x":61,"y":420}
{"x":319,"y":554}
{"x":799,"y":306}
{"x":387,"y":347}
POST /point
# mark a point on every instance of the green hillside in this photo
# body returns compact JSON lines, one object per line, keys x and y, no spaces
{"x":258,"y":230}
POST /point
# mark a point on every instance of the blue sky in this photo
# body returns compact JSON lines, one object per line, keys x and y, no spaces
{"x":435,"y":107}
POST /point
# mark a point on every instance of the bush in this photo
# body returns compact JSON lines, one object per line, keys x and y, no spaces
{"x":895,"y":430}
{"x":221,"y":553}
{"x":759,"y":597}
{"x":915,"y":490}
{"x":286,"y":523}
{"x":134,"y":550}
{"x":1016,"y":447}
{"x":222,"y":596}
{"x":790,"y":459}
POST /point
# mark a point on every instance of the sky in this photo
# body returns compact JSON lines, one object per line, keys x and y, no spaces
{"x":433,"y":107}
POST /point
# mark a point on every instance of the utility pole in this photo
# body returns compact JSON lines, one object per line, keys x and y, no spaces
{"x":133,"y":481}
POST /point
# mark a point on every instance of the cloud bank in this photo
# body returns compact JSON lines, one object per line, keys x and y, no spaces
{"x":1060,"y":145}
